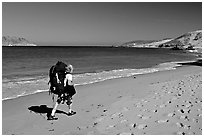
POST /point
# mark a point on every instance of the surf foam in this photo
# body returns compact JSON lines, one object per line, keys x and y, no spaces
{"x":19,"y":87}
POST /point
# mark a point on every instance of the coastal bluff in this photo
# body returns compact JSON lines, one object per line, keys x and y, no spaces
{"x":16,"y":41}
{"x":191,"y":41}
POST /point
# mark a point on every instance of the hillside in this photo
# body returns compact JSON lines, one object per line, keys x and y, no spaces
{"x":191,"y":41}
{"x":16,"y":41}
{"x":137,"y":43}
{"x":145,"y":43}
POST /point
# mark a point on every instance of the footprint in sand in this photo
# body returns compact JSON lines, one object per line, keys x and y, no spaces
{"x":184,"y":117}
{"x":105,"y":110}
{"x":195,"y":120}
{"x":188,"y":127}
{"x":123,"y":121}
{"x":143,"y":117}
{"x":180,"y":125}
{"x":162,"y":121}
{"x":134,"y":125}
{"x":191,"y":133}
{"x":163,"y":105}
{"x":138,"y":105}
{"x":155,"y":111}
{"x":109,"y":127}
{"x":139,"y":126}
{"x":125,"y":109}
{"x":169,"y":102}
{"x":183,"y":111}
{"x":189,"y":105}
{"x":117,"y":114}
{"x":181,"y":133}
{"x":146,"y":117}
{"x":145,"y":110}
{"x":199,"y":115}
{"x":99,"y":105}
{"x":125,"y":133}
{"x":140,"y":116}
{"x":171,"y":114}
{"x":142,"y":126}
{"x":145,"y":101}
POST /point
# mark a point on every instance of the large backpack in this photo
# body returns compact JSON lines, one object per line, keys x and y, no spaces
{"x":59,"y":69}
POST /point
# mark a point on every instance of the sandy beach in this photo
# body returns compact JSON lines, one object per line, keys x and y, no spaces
{"x":167,"y":103}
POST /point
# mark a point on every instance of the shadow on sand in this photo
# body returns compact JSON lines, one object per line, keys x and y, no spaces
{"x":43,"y":109}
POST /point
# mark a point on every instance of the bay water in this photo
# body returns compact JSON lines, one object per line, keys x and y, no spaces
{"x":25,"y":69}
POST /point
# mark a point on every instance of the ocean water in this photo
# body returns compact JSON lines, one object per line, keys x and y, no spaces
{"x":25,"y":69}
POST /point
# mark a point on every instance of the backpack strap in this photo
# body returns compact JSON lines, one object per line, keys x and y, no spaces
{"x":50,"y":76}
{"x":53,"y":68}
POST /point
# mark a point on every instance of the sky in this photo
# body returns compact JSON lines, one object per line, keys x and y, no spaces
{"x":100,"y":23}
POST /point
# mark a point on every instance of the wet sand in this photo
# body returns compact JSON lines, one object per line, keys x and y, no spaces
{"x":168,"y":103}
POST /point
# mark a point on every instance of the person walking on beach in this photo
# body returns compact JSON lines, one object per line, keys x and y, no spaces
{"x":64,"y":89}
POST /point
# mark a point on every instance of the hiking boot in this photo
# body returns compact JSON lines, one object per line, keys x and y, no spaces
{"x":71,"y":113}
{"x":52,"y":118}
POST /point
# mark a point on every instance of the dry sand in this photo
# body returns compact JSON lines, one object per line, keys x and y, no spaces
{"x":168,"y":102}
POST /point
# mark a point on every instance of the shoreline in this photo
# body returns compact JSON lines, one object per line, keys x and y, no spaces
{"x":94,"y":104}
{"x":44,"y":87}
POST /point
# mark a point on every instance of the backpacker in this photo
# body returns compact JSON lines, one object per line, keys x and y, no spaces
{"x":56,"y":78}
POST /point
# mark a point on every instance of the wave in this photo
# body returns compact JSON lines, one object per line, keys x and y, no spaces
{"x":24,"y":94}
{"x":88,"y":78}
{"x":22,"y":87}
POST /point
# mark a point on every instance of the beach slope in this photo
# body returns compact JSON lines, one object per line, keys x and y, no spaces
{"x":167,"y":102}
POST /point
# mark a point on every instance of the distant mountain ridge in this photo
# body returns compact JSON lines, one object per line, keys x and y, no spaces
{"x":190,"y":41}
{"x":16,"y":41}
